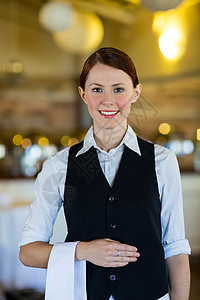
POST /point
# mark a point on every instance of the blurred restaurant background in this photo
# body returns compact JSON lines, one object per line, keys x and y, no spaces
{"x":43,"y":45}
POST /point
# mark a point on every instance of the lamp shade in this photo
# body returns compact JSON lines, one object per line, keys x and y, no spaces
{"x":54,"y":16}
{"x":84,"y":35}
{"x":157,"y":5}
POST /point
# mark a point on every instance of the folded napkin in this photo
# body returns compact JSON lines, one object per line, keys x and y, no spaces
{"x":66,"y":279}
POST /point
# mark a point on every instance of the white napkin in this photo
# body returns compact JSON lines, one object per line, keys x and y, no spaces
{"x":66,"y":279}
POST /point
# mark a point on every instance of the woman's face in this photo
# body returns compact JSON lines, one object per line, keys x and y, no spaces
{"x":108,"y":94}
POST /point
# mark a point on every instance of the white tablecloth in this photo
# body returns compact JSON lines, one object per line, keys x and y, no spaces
{"x":12,"y":273}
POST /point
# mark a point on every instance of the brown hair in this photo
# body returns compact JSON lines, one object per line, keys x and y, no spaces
{"x":111,"y":57}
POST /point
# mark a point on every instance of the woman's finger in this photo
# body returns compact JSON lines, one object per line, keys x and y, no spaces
{"x":126,"y":253}
{"x":117,"y":264}
{"x":123,"y":259}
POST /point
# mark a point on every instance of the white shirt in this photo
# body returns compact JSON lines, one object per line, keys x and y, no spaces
{"x":50,"y":185}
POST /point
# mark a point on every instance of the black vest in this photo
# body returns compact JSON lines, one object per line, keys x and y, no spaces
{"x":128,"y":212}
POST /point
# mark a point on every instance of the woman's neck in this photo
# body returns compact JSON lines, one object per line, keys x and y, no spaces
{"x":108,"y":138}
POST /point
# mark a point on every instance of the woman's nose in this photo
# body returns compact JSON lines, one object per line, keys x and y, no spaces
{"x":107,"y":99}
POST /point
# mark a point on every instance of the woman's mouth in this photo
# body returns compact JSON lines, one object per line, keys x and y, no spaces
{"x":108,"y":114}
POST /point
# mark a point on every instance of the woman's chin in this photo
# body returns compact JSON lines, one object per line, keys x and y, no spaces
{"x":109,"y":124}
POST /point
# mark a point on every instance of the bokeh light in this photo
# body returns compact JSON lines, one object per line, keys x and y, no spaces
{"x":171,"y":43}
{"x":26,"y":143}
{"x":65,"y":140}
{"x":43,"y":142}
{"x":2,"y":151}
{"x":181,"y":147}
{"x":13,"y":67}
{"x":172,"y":34}
{"x":35,"y":151}
{"x":164,"y":128}
{"x":198,"y":134}
{"x":17,"y":140}
{"x":55,"y":16}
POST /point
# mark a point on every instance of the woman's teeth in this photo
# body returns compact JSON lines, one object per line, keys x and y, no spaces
{"x":108,"y":113}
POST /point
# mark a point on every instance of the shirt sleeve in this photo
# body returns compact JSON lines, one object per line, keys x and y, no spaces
{"x":170,"y":189}
{"x":48,"y":194}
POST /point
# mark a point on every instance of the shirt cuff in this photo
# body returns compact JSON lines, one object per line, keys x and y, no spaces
{"x":62,"y":275}
{"x":176,"y":247}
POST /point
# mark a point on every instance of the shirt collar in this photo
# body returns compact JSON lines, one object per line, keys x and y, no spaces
{"x":130,"y":140}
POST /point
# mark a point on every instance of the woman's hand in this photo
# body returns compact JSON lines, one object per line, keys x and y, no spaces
{"x":106,"y":253}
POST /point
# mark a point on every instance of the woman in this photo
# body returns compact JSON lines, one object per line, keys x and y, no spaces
{"x":121,"y":197}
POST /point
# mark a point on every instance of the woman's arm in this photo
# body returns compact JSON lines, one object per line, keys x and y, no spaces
{"x":102,"y":252}
{"x":179,"y":276}
{"x":35,"y":254}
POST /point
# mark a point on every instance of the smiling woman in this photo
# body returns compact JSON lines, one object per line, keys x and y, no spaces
{"x":109,"y":85}
{"x":109,"y":93}
{"x":122,"y":201}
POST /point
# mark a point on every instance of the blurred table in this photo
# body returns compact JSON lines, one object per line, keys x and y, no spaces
{"x":12,"y":273}
{"x":15,"y":198}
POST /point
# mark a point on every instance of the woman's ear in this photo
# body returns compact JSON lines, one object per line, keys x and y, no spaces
{"x":137,"y":92}
{"x":82,"y":94}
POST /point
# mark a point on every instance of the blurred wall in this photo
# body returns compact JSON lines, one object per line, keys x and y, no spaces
{"x":41,"y":57}
{"x":23,"y":38}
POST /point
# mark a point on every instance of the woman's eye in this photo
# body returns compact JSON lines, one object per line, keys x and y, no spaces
{"x":118,"y":90}
{"x":97,"y":90}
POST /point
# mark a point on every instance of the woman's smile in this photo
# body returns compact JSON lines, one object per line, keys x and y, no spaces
{"x":108,"y":114}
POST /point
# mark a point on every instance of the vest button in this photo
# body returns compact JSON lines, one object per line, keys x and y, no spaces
{"x":111,"y":198}
{"x":113,"y":277}
{"x":113,"y":225}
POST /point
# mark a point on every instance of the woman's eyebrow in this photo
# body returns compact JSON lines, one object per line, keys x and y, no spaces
{"x":96,"y":84}
{"x":120,"y":83}
{"x":115,"y":84}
